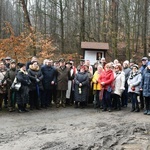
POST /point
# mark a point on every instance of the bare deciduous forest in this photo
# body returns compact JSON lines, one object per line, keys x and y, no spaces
{"x":49,"y":27}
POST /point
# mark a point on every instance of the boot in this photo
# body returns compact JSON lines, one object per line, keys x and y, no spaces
{"x":20,"y":110}
{"x":82,"y":105}
{"x":24,"y":108}
{"x":11,"y":109}
{"x":148,"y":112}
{"x":76,"y":105}
{"x":57,"y":105}
{"x":133,"y":109}
{"x":63,"y":105}
{"x":137,"y":109}
{"x":145,"y":112}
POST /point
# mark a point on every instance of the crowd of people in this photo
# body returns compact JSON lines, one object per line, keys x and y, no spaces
{"x":107,"y":85}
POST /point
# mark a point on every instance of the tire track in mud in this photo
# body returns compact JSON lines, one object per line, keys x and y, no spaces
{"x":85,"y":130}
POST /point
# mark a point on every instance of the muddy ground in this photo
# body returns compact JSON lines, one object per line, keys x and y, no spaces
{"x":74,"y":129}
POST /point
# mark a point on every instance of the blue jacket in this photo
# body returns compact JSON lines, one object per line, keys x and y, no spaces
{"x":142,"y":69}
{"x":145,"y":83}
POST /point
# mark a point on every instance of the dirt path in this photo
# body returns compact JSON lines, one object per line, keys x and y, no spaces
{"x":74,"y":129}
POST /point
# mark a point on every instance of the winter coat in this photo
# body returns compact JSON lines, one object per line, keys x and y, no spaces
{"x":62,"y":78}
{"x":3,"y":85}
{"x":81,"y":77}
{"x":107,"y":77}
{"x":119,"y":83}
{"x":143,"y":69}
{"x":10,"y":76}
{"x":22,"y":96}
{"x":90,"y":75}
{"x":49,"y":75}
{"x":134,"y":81}
{"x":145,"y":83}
{"x":127,"y":73}
{"x":35,"y":73}
{"x":96,"y":84}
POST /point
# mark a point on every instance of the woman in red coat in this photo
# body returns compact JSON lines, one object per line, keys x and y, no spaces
{"x":106,"y":79}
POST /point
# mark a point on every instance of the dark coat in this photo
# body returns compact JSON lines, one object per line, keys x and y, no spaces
{"x":63,"y":75}
{"x":35,"y":73}
{"x":145,"y":83}
{"x":81,"y":77}
{"x":10,"y":76}
{"x":22,"y":96}
{"x":49,"y":75}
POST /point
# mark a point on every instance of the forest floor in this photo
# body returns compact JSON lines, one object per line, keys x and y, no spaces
{"x":74,"y":129}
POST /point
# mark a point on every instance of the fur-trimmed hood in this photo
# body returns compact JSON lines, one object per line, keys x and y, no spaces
{"x":37,"y":68}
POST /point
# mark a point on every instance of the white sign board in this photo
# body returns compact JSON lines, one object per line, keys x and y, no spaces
{"x":93,"y":56}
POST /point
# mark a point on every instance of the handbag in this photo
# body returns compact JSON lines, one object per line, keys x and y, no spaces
{"x":16,"y":85}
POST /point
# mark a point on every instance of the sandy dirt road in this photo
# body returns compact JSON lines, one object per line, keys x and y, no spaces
{"x":74,"y":129}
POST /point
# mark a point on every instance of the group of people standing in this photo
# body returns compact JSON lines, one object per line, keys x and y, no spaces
{"x":108,"y":85}
{"x":117,"y":83}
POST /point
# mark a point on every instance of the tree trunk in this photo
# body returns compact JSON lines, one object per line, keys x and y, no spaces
{"x":1,"y":19}
{"x":114,"y":26}
{"x":61,"y":25}
{"x":26,"y":14}
{"x":45,"y":18}
{"x":82,"y":19}
{"x":145,"y":26}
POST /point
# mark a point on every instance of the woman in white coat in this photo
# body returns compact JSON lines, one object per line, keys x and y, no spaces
{"x":119,"y":83}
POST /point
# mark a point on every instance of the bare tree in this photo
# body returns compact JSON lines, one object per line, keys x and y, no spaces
{"x":145,"y":25}
{"x":26,"y":14}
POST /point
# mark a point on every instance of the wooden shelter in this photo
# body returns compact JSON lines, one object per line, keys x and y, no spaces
{"x":94,"y":51}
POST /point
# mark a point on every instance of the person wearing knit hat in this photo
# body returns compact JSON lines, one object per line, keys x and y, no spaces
{"x":9,"y":77}
{"x":7,"y":61}
{"x":144,"y":58}
{"x":22,"y":95}
{"x":145,"y":88}
{"x":134,"y":81}
{"x":12,"y":61}
{"x":136,"y":66}
{"x":144,"y":61}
